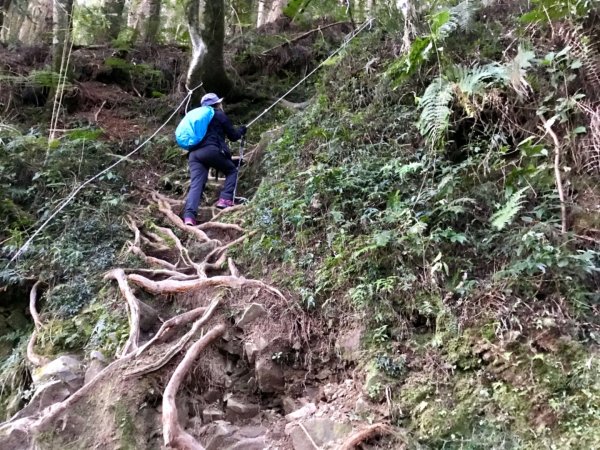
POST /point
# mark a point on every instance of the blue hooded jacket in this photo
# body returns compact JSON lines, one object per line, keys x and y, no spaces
{"x":219,"y":127}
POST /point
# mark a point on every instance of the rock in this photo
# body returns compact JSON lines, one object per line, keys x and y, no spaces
{"x":212,"y":414}
{"x":212,"y":395}
{"x":269,"y":375}
{"x":97,"y":364}
{"x":375,"y":383}
{"x":45,"y":395}
{"x":289,"y":405}
{"x":348,"y":345}
{"x":362,"y":407}
{"x":238,"y":409}
{"x":257,"y":443}
{"x":307,"y":410}
{"x":321,"y":431}
{"x":219,"y":435}
{"x":250,"y":314}
{"x":65,"y":368}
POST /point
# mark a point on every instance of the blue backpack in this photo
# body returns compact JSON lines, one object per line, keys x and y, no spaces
{"x":192,"y":128}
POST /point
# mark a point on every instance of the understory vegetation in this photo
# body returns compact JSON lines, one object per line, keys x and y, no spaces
{"x":440,"y":192}
{"x":418,"y":197}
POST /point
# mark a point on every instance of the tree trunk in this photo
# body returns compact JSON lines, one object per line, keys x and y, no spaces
{"x":61,"y":32}
{"x":4,"y":5}
{"x":275,"y":11}
{"x":27,"y":22}
{"x":261,"y":15}
{"x":144,"y":18}
{"x":113,"y":10}
{"x":206,"y":21}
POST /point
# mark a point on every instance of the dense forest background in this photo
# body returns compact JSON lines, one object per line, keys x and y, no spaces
{"x":420,"y":246}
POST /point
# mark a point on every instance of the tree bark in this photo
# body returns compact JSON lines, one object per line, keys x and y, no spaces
{"x":144,"y":18}
{"x":4,"y":5}
{"x":27,"y":22}
{"x":261,"y":14}
{"x":206,"y":22}
{"x":113,"y":10}
{"x":276,"y":10}
{"x":61,"y":31}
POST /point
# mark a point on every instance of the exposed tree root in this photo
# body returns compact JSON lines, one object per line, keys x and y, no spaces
{"x":174,"y":434}
{"x":178,"y":346}
{"x":369,"y":432}
{"x":163,"y":277}
{"x":227,"y":211}
{"x":219,"y":226}
{"x":169,"y":326}
{"x":36,"y":424}
{"x":32,"y":356}
{"x":173,"y":287}
{"x":151,"y":260}
{"x":135,"y":310}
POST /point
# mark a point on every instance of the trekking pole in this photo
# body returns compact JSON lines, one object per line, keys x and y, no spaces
{"x":241,"y":157}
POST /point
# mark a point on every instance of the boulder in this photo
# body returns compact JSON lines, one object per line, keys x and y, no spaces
{"x":65,"y":368}
{"x":212,"y":415}
{"x":222,"y":435}
{"x":219,"y":435}
{"x":348,"y":345}
{"x":269,"y":375}
{"x":307,"y":410}
{"x":250,"y":314}
{"x":320,"y":431}
{"x":45,"y":395}
{"x":97,"y":364}
{"x":238,"y":409}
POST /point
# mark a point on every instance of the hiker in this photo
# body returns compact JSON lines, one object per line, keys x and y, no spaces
{"x":212,"y":151}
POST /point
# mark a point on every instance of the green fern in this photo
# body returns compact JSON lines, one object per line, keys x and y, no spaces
{"x":435,"y":111}
{"x":505,"y":215}
{"x":473,"y":81}
{"x":460,"y":16}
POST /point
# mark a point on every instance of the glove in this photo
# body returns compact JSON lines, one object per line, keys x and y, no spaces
{"x":243,"y":130}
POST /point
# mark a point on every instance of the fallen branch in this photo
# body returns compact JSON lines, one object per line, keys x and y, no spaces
{"x":303,"y":35}
{"x":365,"y":434}
{"x":174,"y":435}
{"x":557,"y":175}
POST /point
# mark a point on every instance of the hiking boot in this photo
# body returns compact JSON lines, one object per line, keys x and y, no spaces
{"x":190,"y":221}
{"x":224,"y":203}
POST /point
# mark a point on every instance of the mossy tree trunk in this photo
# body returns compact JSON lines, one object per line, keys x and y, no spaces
{"x":61,"y":32}
{"x":113,"y":10}
{"x":206,"y":21}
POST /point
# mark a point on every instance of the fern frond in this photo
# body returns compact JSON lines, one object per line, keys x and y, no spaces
{"x":507,"y":213}
{"x":472,"y":81}
{"x":588,"y":154}
{"x":458,"y":17}
{"x":435,"y":110}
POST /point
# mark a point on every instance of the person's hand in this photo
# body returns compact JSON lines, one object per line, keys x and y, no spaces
{"x":243,"y":130}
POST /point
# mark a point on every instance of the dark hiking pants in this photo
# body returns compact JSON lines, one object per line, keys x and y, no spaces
{"x":200,"y":162}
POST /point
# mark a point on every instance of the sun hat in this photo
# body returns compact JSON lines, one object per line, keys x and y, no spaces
{"x":210,"y":99}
